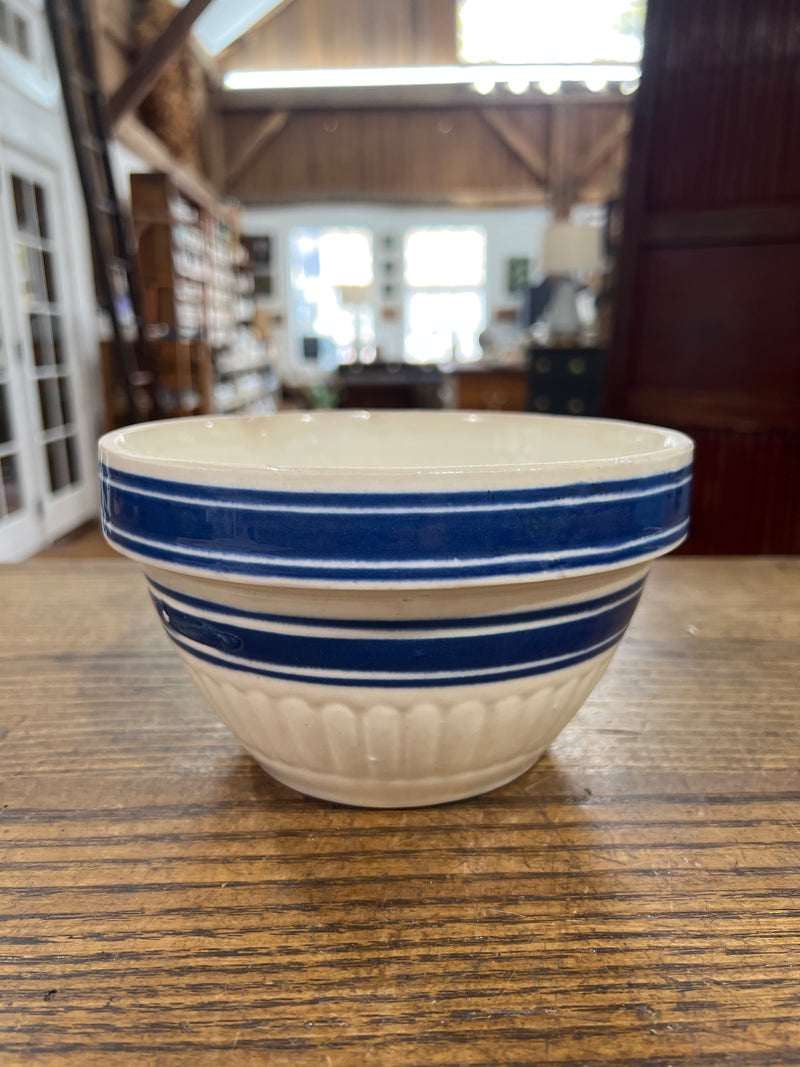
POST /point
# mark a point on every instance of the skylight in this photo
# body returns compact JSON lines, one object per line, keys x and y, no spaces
{"x":551,"y":31}
{"x":222,"y":23}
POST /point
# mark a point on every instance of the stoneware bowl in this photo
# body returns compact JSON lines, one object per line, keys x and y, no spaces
{"x":395,"y":608}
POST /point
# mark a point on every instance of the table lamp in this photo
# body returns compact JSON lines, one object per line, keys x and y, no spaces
{"x":571,"y":253}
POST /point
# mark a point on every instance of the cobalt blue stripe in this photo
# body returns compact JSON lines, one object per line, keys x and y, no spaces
{"x":418,"y":655}
{"x":407,"y":539}
{"x":404,"y":572}
{"x":509,"y":618}
{"x":220,"y":494}
{"x":425,"y":681}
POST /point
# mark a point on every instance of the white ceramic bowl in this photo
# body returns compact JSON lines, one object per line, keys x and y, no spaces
{"x":395,"y":608}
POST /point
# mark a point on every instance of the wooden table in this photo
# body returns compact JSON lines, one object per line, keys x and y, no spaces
{"x":634,"y":899}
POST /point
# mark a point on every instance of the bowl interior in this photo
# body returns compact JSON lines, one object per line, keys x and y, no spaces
{"x":547,"y":449}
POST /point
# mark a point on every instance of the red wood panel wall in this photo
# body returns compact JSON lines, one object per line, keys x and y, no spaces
{"x":708,"y":329}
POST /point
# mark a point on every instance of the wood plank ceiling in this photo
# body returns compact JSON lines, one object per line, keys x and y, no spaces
{"x":477,"y":156}
{"x":445,"y":145}
{"x":432,"y":145}
{"x":348,"y":33}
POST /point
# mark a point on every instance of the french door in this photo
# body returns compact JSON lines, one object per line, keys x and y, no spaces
{"x":46,"y":455}
{"x":18,"y":521}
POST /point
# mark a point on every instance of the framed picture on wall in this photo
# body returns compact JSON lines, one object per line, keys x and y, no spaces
{"x":519,"y":269}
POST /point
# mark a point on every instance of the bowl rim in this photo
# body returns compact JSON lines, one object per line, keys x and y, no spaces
{"x":340,"y":526}
{"x":116,"y":450}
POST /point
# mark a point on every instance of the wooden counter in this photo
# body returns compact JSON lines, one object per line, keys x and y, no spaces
{"x":483,"y":387}
{"x":632,"y":900}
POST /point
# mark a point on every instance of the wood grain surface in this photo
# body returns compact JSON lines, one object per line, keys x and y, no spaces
{"x":632,"y":900}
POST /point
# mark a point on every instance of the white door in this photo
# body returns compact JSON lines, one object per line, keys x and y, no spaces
{"x":52,"y":432}
{"x":20,"y":526}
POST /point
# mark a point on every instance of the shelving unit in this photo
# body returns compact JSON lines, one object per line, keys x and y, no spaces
{"x":198,"y":285}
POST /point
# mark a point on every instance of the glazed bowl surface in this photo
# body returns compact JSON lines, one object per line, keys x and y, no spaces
{"x":395,"y":608}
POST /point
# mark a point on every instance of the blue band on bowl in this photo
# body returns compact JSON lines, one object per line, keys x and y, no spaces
{"x":396,"y":654}
{"x":393,"y":537}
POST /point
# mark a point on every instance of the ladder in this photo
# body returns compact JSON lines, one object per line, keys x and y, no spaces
{"x":133,"y":366}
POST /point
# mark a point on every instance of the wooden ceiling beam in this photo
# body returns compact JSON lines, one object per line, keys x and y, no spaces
{"x":407,"y":96}
{"x":153,"y":59}
{"x":603,"y":147}
{"x":139,"y":139}
{"x":262,"y":135}
{"x":466,"y":198}
{"x":517,"y":143}
{"x":562,"y":182}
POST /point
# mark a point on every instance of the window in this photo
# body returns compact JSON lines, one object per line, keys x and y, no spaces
{"x":35,"y":253}
{"x":331,"y":273}
{"x":445,"y":293}
{"x":15,"y":30}
{"x":540,"y":31}
{"x":10,"y":487}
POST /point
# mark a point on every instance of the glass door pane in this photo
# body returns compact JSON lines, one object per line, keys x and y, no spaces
{"x":48,"y":305}
{"x":10,"y":473}
{"x":20,"y":526}
{"x":42,"y":304}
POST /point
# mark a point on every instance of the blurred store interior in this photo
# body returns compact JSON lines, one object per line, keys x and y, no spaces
{"x":576,"y":207}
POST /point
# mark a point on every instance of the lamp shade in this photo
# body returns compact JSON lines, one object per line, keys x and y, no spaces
{"x":355,"y":294}
{"x":569,"y":248}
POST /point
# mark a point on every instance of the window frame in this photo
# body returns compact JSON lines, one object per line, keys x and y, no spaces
{"x":297,"y":335}
{"x":33,"y":74}
{"x":410,"y":290}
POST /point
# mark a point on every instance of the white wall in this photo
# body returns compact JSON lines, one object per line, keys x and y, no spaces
{"x":33,"y":127}
{"x":510,"y":232}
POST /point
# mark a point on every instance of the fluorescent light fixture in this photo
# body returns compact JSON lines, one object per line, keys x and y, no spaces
{"x":596,"y":82}
{"x":626,"y":88}
{"x":484,"y":82}
{"x":549,"y":85}
{"x":518,"y":85}
{"x":393,"y":77}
